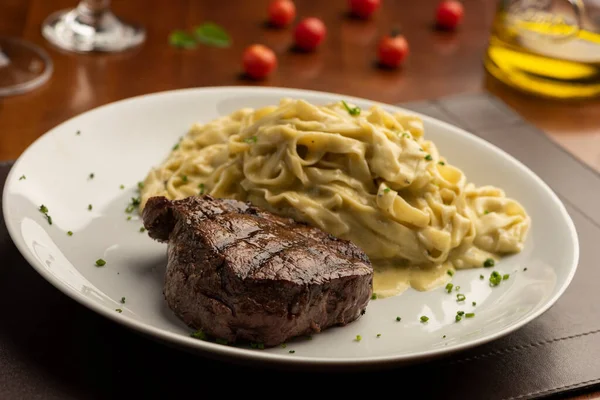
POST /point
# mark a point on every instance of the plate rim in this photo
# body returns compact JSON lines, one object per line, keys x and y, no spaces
{"x":241,"y":354}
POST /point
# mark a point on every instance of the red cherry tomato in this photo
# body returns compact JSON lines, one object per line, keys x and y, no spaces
{"x":363,"y":8}
{"x":449,"y":14}
{"x":281,"y":12}
{"x":392,"y":50}
{"x":259,"y":61}
{"x":309,"y":33}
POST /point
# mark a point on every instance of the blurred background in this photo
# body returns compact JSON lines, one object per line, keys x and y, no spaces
{"x":62,"y":57}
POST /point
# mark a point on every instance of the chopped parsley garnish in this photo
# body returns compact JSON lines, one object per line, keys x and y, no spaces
{"x":505,"y":277}
{"x":474,"y":303}
{"x":424,"y":318}
{"x":142,"y":229}
{"x":100,"y":263}
{"x":398,"y":319}
{"x":184,"y":178}
{"x":428,"y":157}
{"x":223,"y":341}
{"x":44,"y":210}
{"x":176,"y":147}
{"x":386,"y":190}
{"x":457,"y":318}
{"x":22,"y":177}
{"x":457,"y":288}
{"x":92,"y":175}
{"x":461,"y":313}
{"x":351,"y":110}
{"x":135,"y":201}
{"x":406,"y":135}
{"x":449,"y":287}
{"x":78,"y":133}
{"x":460,"y":297}
{"x":441,"y":163}
{"x":122,"y":300}
{"x":201,"y":187}
{"x":486,"y":212}
{"x":199,"y":335}
{"x":379,"y":335}
{"x":129,"y":218}
{"x":489,"y":263}
{"x":70,"y":233}
{"x":525,"y":269}
{"x":495,"y":278}
{"x":481,"y":277}
{"x":309,"y":337}
{"x":251,"y":139}
{"x":292,"y":351}
{"x":118,"y":310}
{"x":450,"y":272}
{"x":140,"y":185}
{"x":283,"y":345}
{"x":444,"y":337}
{"x":90,"y":207}
{"x":122,"y":187}
{"x":374,"y":296}
{"x":358,"y":338}
{"x":469,"y":315}
{"x":261,"y":346}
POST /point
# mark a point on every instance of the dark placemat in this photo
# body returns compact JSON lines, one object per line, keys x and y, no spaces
{"x":53,"y":348}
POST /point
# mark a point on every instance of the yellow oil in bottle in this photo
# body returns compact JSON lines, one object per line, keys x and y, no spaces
{"x":546,"y":57}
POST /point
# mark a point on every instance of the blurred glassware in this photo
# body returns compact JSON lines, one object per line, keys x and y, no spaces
{"x":91,"y":26}
{"x":549,"y":48}
{"x":23,"y":66}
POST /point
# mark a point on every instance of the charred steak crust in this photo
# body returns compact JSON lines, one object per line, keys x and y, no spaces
{"x":243,"y":274}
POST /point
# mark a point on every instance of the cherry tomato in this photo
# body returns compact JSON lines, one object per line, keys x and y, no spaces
{"x":281,"y":12}
{"x":363,"y":8}
{"x":259,"y":61}
{"x":309,"y":33}
{"x":392,"y":50}
{"x":449,"y":14}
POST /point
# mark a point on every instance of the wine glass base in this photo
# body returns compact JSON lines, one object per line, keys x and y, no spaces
{"x":23,"y":66}
{"x":75,"y":31}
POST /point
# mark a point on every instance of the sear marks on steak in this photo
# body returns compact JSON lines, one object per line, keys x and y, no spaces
{"x":240,"y":273}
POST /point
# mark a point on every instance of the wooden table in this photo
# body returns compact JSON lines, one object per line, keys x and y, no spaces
{"x":439,"y":64}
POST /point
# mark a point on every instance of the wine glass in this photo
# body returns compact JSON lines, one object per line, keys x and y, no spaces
{"x":23,"y":66}
{"x":91,"y":26}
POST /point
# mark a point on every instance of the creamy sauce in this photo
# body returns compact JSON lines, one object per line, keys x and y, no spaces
{"x":391,"y":280}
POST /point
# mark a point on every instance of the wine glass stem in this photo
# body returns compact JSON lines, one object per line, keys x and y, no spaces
{"x":4,"y":60}
{"x":93,"y":6}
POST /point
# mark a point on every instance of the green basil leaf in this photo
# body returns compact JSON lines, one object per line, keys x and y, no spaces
{"x":182,"y":39}
{"x":212,"y":34}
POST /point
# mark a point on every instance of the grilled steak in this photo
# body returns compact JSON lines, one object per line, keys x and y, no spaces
{"x":240,"y":273}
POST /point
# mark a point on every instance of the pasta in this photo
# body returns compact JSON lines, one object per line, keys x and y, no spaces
{"x":371,"y":178}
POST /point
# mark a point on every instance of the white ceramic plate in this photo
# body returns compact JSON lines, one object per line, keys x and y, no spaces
{"x":120,"y":142}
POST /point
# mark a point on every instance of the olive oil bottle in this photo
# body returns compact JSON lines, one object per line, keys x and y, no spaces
{"x":545,"y":51}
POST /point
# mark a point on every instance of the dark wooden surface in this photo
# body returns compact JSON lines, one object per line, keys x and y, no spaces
{"x":439,"y":64}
